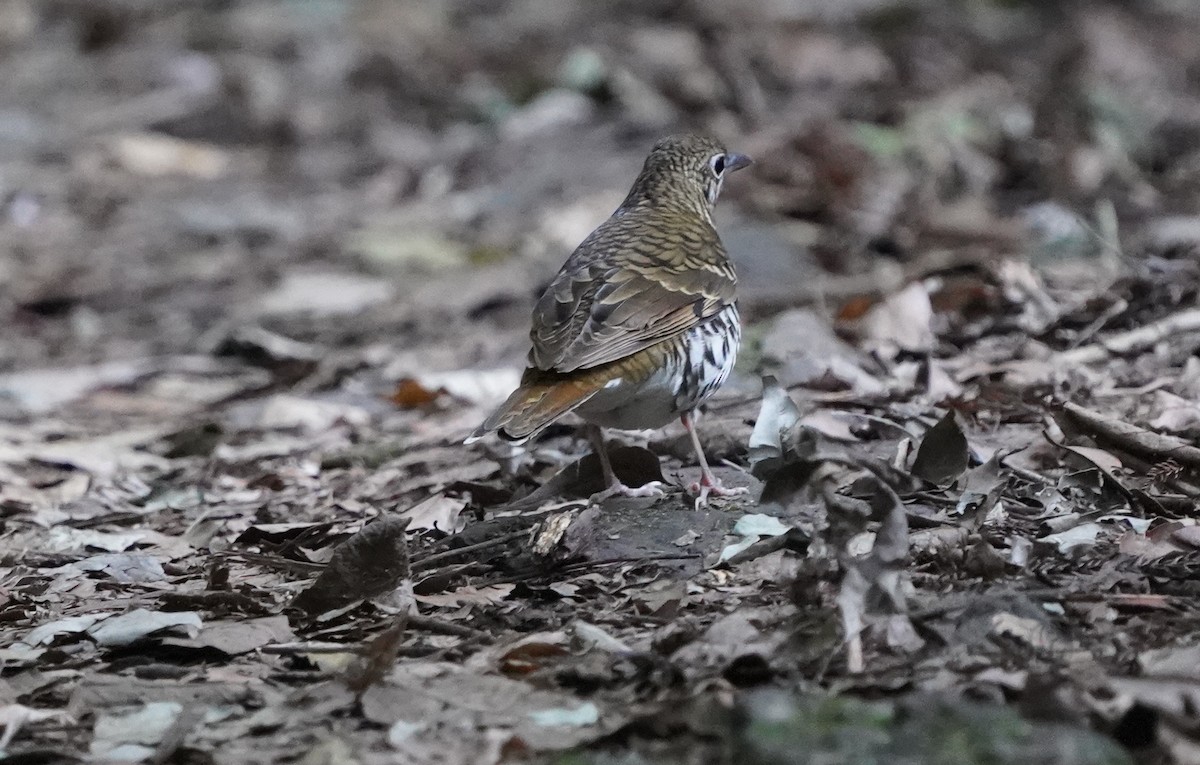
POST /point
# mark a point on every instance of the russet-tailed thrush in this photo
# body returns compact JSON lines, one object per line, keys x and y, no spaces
{"x":641,"y":323}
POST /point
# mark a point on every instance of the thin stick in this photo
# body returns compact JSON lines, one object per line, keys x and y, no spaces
{"x":308,"y":646}
{"x":444,"y":627}
{"x":1132,"y":438}
{"x":760,"y":548}
{"x":430,"y":561}
{"x":1134,"y":340}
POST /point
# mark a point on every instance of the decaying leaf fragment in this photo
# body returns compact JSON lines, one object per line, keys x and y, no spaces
{"x":942,"y":455}
{"x":872,"y":587}
{"x":370,"y":563}
{"x":777,"y":417}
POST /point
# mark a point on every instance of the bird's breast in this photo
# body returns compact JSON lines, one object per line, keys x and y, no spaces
{"x":672,"y":377}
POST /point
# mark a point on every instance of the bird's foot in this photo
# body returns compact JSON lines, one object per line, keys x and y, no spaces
{"x":710,"y":485}
{"x":618,"y":489}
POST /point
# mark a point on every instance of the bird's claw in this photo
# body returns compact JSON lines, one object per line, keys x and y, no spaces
{"x":706,"y":486}
{"x":652,"y":489}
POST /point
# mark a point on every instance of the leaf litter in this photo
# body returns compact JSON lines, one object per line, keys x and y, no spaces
{"x":250,"y":325}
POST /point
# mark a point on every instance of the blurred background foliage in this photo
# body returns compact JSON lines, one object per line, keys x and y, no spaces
{"x":169,"y":166}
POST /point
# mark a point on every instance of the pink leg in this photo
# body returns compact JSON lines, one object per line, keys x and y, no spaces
{"x":613,"y":484}
{"x":708,"y":483}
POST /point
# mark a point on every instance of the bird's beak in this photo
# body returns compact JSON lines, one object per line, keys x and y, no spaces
{"x":736,"y":162}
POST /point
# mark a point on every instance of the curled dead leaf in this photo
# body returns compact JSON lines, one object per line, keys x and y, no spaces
{"x":943,"y":453}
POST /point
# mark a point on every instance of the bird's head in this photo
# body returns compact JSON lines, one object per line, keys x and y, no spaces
{"x":685,"y":171}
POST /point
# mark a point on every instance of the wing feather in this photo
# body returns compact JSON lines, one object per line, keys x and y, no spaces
{"x":622,"y":291}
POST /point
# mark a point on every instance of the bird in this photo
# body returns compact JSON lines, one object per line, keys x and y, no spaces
{"x":641,"y":323}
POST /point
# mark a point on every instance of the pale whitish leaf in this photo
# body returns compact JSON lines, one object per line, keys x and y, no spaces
{"x":1174,"y":661}
{"x":107,"y":455}
{"x":331,"y":663}
{"x":595,"y":637}
{"x":45,"y":634}
{"x":758,"y":524}
{"x":735,"y":548}
{"x":1104,"y":460}
{"x":1029,"y":631}
{"x":124,"y":753}
{"x":43,"y":390}
{"x":686,"y":538}
{"x":1140,"y":525}
{"x":776,"y":417}
{"x":144,"y":726}
{"x":19,"y":655}
{"x":585,"y":714}
{"x":486,"y":595}
{"x":384,"y":245}
{"x":986,"y":477}
{"x":237,"y":637}
{"x":752,"y":527}
{"x":125,"y":567}
{"x":829,"y":424}
{"x":155,"y":155}
{"x":438,"y":512}
{"x":1019,"y":552}
{"x":174,"y":499}
{"x":1188,"y":535}
{"x":743,"y":632}
{"x":1175,"y":413}
{"x":536,"y":644}
{"x":1177,"y":697}
{"x":463,"y":701}
{"x":1144,"y":547}
{"x":135,"y":625}
{"x":471,"y":386}
{"x":67,"y":539}
{"x":325,"y":294}
{"x":903,"y":321}
{"x":399,"y":599}
{"x":941,"y":385}
{"x":1083,"y":534}
{"x":901,"y":635}
{"x":861,"y":544}
{"x":401,"y":731}
{"x":564,"y":589}
{"x":14,"y":716}
{"x":284,"y":412}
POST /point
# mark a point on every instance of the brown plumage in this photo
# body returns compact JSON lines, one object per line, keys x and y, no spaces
{"x":640,"y":325}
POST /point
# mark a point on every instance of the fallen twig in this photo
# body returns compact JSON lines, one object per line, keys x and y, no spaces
{"x":417,"y":621}
{"x":430,"y":561}
{"x":308,"y":646}
{"x":1133,"y":438}
{"x":766,"y":547}
{"x":570,"y":569}
{"x":1133,"y":340}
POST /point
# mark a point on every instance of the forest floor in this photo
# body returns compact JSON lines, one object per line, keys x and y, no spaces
{"x":264,"y":265}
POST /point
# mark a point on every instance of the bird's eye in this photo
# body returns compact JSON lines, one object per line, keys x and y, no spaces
{"x":718,"y":164}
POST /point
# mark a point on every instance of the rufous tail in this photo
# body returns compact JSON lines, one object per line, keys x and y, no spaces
{"x":542,"y":398}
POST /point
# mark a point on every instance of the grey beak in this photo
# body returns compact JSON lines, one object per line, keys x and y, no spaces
{"x":735,"y":161}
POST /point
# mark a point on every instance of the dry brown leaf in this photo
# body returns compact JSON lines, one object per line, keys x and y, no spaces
{"x":411,"y":394}
{"x":486,"y":595}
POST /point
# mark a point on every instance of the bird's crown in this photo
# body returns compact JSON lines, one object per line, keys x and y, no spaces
{"x":684,"y":171}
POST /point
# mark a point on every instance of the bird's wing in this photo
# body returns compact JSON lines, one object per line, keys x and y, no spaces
{"x":626,"y":288}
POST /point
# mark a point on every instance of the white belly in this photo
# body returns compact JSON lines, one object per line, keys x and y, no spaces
{"x":701,"y":364}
